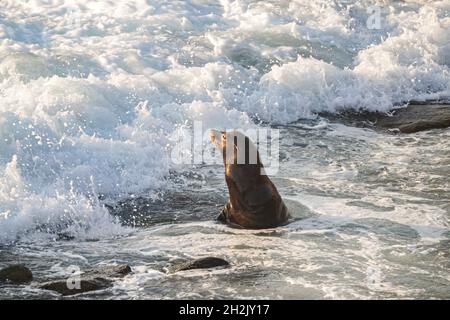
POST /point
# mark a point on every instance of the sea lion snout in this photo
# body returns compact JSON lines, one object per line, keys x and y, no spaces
{"x":215,"y":136}
{"x":218,"y":138}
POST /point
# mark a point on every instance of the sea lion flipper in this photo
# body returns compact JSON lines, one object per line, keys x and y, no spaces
{"x":222,"y":217}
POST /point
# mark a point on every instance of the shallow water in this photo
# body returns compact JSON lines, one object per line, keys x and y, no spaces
{"x":94,"y":96}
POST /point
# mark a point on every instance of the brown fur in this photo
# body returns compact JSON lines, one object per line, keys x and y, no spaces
{"x":254,"y":200}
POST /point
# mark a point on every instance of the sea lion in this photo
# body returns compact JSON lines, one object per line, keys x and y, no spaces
{"x":254,"y":200}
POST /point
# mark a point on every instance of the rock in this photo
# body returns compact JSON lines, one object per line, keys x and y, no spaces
{"x":90,"y":280}
{"x":416,"y":118}
{"x":16,"y":274}
{"x":85,"y":285}
{"x":61,"y":236}
{"x":109,"y":271}
{"x":202,"y":263}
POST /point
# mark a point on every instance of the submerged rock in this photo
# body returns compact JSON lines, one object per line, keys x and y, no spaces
{"x":61,"y":236}
{"x":202,"y":263}
{"x":16,"y":274}
{"x":109,"y":271}
{"x":91,"y":280}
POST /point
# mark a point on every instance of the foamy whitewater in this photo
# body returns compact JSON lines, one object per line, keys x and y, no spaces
{"x":94,"y":94}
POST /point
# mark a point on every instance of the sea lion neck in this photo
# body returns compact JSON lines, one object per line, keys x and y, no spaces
{"x":244,"y":172}
{"x":242,"y":180}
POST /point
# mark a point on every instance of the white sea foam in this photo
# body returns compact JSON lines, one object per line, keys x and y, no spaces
{"x":93,"y":92}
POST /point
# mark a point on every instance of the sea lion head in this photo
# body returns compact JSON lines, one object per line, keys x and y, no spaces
{"x":237,"y":148}
{"x":254,"y":200}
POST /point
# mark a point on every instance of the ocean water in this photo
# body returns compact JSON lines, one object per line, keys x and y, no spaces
{"x":94,"y":96}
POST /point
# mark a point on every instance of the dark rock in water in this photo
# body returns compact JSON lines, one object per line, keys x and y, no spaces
{"x":91,"y":280}
{"x":16,"y":274}
{"x":173,"y":206}
{"x":202,"y":263}
{"x":64,"y":237}
{"x":85,"y":285}
{"x":416,"y":118}
{"x":109,"y":271}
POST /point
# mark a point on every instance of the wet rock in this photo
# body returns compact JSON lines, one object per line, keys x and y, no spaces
{"x":416,"y":118}
{"x":16,"y":274}
{"x":174,"y":206}
{"x":64,"y":237}
{"x":109,"y":271}
{"x":202,"y":263}
{"x":67,"y":288}
{"x":93,"y":279}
